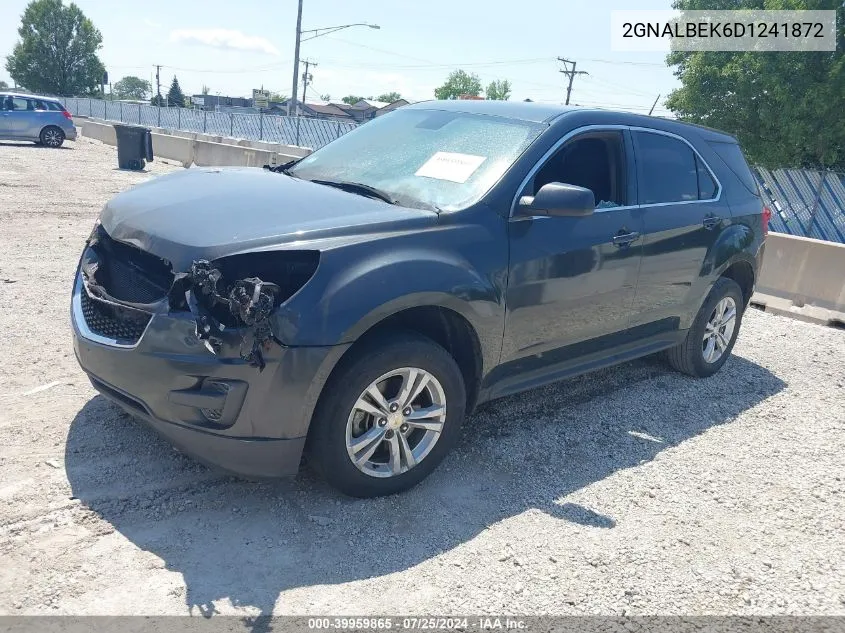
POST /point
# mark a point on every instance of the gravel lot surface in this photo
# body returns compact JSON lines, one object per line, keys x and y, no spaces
{"x":633,"y":490}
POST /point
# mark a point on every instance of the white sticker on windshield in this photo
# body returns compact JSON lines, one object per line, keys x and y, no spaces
{"x":451,"y":166}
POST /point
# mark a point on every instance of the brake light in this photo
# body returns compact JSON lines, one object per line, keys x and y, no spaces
{"x":68,"y":115}
{"x":767,"y":215}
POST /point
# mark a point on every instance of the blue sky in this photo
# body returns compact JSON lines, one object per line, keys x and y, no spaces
{"x":234,"y":46}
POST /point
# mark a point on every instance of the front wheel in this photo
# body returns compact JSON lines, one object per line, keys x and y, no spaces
{"x":388,"y":416}
{"x":711,"y":338}
{"x":52,"y":136}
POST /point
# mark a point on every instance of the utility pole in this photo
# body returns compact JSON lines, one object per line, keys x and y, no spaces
{"x":653,"y":104}
{"x":158,"y":83}
{"x":292,"y":104}
{"x":571,"y":72}
{"x":306,"y":77}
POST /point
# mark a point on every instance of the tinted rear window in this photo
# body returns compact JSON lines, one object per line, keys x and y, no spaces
{"x":732,"y":155}
{"x":668,"y":172}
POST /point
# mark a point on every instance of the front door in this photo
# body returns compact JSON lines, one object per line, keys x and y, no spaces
{"x":571,"y":280}
{"x":682,"y":214}
{"x":17,"y":117}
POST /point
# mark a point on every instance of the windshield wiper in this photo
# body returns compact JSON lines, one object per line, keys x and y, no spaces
{"x":359,"y":188}
{"x":283,"y":168}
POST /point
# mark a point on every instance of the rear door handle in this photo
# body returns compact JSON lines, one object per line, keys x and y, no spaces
{"x":711,"y":222}
{"x":624,"y":239}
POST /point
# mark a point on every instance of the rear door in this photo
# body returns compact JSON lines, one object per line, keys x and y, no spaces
{"x":682,"y":210}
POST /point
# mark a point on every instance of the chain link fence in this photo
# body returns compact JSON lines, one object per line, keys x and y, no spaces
{"x":300,"y":131}
{"x":805,"y":202}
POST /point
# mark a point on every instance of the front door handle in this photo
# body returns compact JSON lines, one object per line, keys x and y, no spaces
{"x":711,"y":222}
{"x":625,"y":239}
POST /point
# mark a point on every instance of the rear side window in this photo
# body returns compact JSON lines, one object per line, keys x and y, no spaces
{"x":707,"y":187}
{"x":668,"y":169}
{"x":56,"y":107}
{"x":732,"y":155}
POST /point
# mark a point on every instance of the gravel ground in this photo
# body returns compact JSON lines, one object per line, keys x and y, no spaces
{"x":634,"y":490}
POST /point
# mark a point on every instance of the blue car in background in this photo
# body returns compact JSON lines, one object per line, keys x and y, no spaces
{"x":43,"y":120}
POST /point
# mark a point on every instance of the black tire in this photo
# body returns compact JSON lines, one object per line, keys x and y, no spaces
{"x":688,"y":357}
{"x":52,"y":136}
{"x":327,"y":436}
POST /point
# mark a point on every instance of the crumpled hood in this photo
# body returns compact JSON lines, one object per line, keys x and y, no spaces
{"x":208,"y":213}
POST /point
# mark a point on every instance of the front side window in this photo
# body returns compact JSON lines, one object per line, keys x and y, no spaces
{"x":424,"y":158}
{"x":595,"y":161}
{"x":668,"y":170}
{"x":16,"y":104}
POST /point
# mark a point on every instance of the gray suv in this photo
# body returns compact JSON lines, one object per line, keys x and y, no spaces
{"x":43,"y":120}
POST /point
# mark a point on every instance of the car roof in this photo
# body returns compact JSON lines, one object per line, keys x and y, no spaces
{"x":521,"y":110}
{"x":546,"y":113}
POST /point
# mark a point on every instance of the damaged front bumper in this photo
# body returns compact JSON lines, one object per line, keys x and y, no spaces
{"x":210,"y":401}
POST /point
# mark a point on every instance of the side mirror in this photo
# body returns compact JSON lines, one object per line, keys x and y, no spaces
{"x":559,"y":199}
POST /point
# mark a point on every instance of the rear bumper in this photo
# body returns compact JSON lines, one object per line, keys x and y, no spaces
{"x":213,"y":406}
{"x":70,"y":133}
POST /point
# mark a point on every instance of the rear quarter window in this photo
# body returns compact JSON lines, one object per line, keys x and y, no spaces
{"x":56,"y":107}
{"x":732,"y":156}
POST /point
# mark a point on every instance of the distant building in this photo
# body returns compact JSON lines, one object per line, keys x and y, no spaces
{"x":219,"y":102}
{"x":390,"y":107}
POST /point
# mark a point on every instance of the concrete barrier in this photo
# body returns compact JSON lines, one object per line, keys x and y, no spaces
{"x":99,"y":130}
{"x":192,"y":148}
{"x":176,"y":148}
{"x":207,"y":154}
{"x":803,"y":278}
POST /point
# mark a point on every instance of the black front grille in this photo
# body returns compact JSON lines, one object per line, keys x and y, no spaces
{"x":123,"y":324}
{"x":130,"y":274}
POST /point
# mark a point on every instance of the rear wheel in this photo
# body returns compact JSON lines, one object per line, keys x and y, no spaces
{"x":711,"y":338}
{"x":52,"y":136}
{"x":388,"y":417}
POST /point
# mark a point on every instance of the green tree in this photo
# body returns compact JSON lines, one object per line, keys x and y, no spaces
{"x":57,"y":51}
{"x":174,"y":95}
{"x":3,"y":85}
{"x":205,"y":89}
{"x":278,"y":97}
{"x":157,"y":101}
{"x":389,"y":97}
{"x":785,"y":108}
{"x":132,"y":87}
{"x":352,"y":99}
{"x":459,"y":83}
{"x":499,"y":90}
{"x":326,"y":97}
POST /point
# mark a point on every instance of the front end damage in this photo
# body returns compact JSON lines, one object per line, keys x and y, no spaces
{"x":179,"y":350}
{"x":238,"y":294}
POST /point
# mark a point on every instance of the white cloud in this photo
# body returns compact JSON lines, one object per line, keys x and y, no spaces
{"x":224,"y":38}
{"x":151,"y":23}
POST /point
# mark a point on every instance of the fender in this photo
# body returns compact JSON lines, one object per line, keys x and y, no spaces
{"x":345,"y":299}
{"x":732,"y":246}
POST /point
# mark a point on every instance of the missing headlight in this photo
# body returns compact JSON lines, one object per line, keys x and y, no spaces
{"x":260,"y":283}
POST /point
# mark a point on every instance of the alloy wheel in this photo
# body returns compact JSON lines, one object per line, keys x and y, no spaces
{"x":52,"y":138}
{"x":395,"y":422}
{"x":719,"y":330}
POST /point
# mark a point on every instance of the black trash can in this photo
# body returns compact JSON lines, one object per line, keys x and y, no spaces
{"x":134,"y":146}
